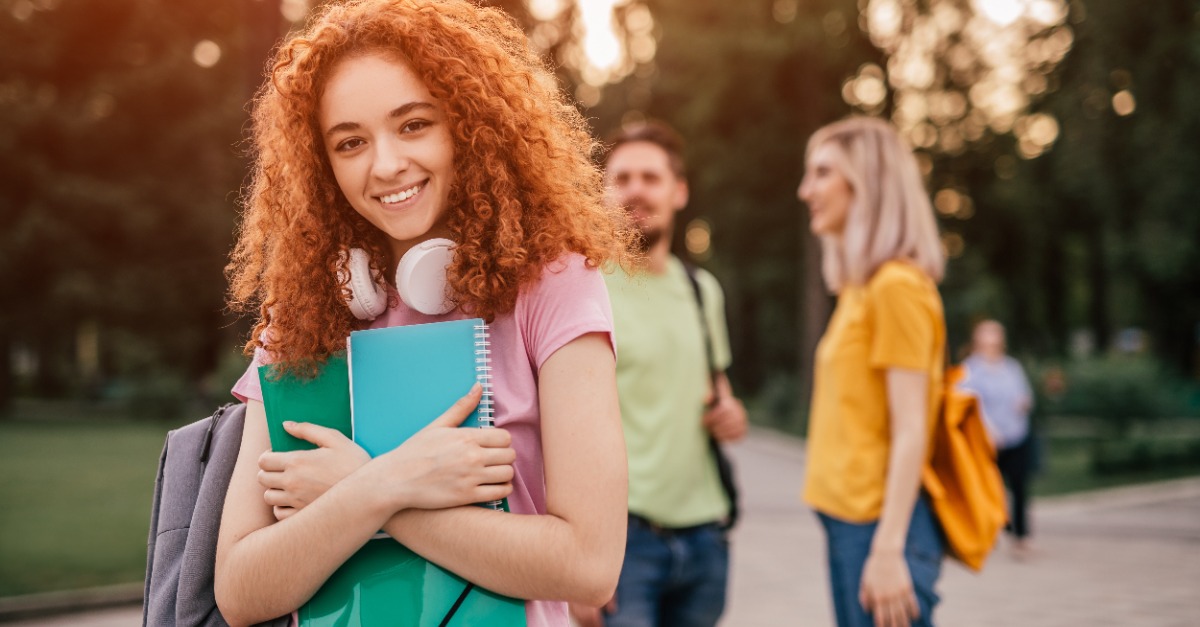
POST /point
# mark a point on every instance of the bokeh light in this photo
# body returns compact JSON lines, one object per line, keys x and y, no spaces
{"x":206,"y":53}
{"x":957,"y":70}
{"x":698,"y":238}
{"x":1123,"y":103}
{"x":610,"y":40}
{"x":293,"y":10}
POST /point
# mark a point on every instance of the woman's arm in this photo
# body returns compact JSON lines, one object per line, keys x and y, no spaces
{"x":266,"y":569}
{"x":575,"y":552}
{"x":886,"y":584}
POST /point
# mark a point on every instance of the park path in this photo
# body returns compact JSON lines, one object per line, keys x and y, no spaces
{"x":1124,"y":557}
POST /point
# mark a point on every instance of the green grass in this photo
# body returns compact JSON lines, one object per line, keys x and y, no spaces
{"x":75,"y":501}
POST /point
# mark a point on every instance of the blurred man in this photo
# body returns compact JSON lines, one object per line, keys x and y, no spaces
{"x":677,"y":556}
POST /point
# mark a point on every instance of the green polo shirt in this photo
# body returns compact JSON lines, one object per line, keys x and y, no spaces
{"x":662,"y":379}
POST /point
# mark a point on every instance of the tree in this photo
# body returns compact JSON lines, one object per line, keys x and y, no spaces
{"x":120,"y":164}
{"x":746,"y":84}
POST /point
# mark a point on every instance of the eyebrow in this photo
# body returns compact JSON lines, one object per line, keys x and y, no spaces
{"x":398,"y":112}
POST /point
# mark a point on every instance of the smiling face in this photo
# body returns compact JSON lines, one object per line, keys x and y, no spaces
{"x":826,"y":192}
{"x":389,"y":144}
{"x":640,"y":177}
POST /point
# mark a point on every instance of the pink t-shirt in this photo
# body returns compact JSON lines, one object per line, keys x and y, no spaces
{"x":569,"y":301}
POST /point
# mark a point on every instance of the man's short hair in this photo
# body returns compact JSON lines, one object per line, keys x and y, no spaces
{"x":658,"y":133}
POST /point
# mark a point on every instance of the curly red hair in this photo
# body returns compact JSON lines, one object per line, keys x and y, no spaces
{"x":526,"y":187}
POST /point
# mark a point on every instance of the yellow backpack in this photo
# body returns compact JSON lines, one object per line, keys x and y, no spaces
{"x":962,"y":479}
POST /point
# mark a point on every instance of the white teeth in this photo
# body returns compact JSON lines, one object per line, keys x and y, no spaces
{"x":401,"y":196}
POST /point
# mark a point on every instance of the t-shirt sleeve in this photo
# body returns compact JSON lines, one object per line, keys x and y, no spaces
{"x":714,"y":313}
{"x":569,"y":301}
{"x":248,"y":387}
{"x":903,"y":325}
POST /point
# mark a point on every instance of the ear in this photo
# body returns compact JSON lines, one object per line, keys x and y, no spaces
{"x":679,"y":199}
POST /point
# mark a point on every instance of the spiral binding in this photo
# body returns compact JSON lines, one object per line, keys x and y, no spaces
{"x":483,"y":374}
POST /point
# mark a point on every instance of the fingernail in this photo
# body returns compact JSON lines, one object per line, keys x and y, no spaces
{"x":287,"y":424}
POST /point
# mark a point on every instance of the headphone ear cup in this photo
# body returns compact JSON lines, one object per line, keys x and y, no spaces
{"x":367,"y":298}
{"x":421,"y":277}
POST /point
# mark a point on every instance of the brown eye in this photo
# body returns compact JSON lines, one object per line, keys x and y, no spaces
{"x":415,"y":125}
{"x":349,"y":144}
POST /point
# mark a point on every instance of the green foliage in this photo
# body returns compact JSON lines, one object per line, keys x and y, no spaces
{"x":1120,"y":391}
{"x":1145,"y":455}
{"x":1068,"y":464}
{"x":119,"y":178}
{"x":779,"y":405}
{"x":1100,"y":232}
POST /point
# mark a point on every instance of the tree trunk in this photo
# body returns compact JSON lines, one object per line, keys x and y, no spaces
{"x":1097,"y":276}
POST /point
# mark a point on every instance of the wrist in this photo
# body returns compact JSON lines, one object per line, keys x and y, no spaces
{"x":887,"y":548}
{"x":393,"y":497}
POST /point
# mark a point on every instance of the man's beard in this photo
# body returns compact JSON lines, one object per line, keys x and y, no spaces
{"x":650,"y":237}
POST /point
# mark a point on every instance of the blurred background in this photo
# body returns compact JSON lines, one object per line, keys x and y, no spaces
{"x":1059,"y":141}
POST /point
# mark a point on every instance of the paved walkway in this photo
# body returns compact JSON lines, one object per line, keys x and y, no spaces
{"x":1126,"y":557}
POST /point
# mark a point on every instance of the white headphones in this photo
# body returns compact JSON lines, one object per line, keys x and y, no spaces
{"x":420,"y":279}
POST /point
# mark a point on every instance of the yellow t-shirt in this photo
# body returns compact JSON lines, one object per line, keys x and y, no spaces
{"x":894,"y":321}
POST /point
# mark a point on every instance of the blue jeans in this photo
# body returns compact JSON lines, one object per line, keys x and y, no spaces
{"x":848,"y":545}
{"x":671,"y":578}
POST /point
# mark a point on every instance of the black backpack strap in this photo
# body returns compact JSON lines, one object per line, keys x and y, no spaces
{"x":724,"y":465}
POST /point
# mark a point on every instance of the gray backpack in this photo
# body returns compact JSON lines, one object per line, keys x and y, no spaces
{"x":189,"y":493}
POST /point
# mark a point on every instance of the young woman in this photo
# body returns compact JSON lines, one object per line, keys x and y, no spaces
{"x":878,"y":373}
{"x":384,"y":124}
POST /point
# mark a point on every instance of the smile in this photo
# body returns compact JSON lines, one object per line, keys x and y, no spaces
{"x":403,"y":195}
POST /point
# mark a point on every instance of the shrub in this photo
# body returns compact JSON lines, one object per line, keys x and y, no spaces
{"x":1117,"y":390}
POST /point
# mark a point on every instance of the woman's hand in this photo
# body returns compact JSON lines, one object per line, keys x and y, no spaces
{"x":444,"y":466}
{"x":296,"y":478}
{"x":438,"y":467}
{"x":886,"y":591}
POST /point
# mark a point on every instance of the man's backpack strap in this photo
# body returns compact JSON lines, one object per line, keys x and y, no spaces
{"x":724,"y":464}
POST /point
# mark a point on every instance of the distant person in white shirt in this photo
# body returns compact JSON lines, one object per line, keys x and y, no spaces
{"x":1004,"y":393}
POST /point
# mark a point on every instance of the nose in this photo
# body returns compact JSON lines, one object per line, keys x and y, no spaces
{"x":625,"y":191}
{"x":627,"y":187}
{"x":390,"y":158}
{"x":802,"y":192}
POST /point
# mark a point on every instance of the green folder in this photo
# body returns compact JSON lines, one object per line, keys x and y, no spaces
{"x":386,"y":584}
{"x":323,"y":400}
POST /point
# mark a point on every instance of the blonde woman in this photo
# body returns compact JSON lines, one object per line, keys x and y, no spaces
{"x":878,"y":373}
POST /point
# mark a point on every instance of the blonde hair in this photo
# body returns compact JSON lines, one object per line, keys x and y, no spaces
{"x":890,"y":217}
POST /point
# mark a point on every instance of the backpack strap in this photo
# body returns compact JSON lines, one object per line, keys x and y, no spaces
{"x":724,"y":465}
{"x":189,"y":495}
